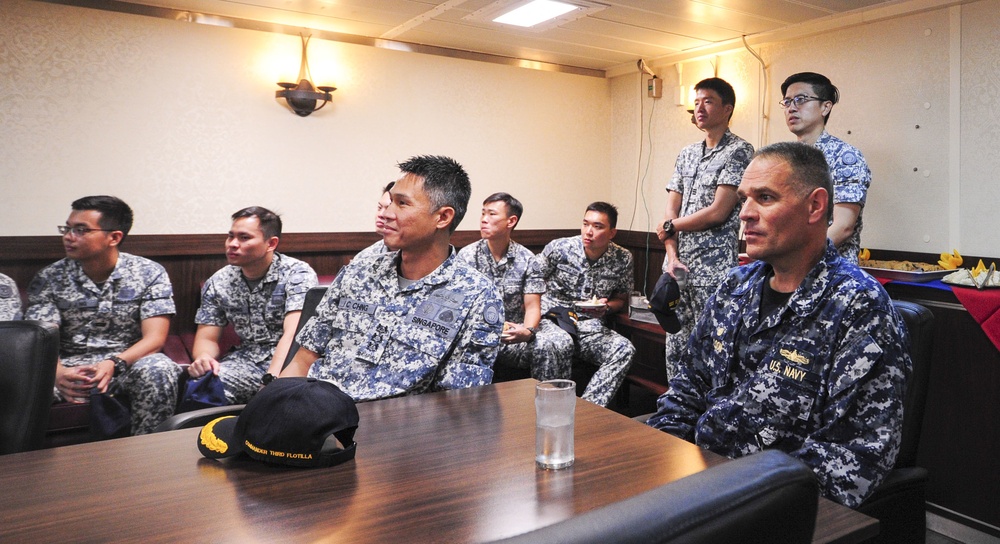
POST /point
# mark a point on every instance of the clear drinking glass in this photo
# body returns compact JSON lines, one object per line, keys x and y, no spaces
{"x":555,"y":407}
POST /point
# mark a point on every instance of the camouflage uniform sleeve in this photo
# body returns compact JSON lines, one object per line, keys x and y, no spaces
{"x":539,"y":269}
{"x":42,"y":301}
{"x":158,"y":297}
{"x":10,"y":300}
{"x":468,"y":255}
{"x":737,"y":164}
{"x":628,"y":275}
{"x":470,"y":363}
{"x":300,"y":281}
{"x":859,"y":440}
{"x":315,"y":333}
{"x":211,"y":311}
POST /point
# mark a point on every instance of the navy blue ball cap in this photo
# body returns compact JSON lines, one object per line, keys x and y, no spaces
{"x":291,"y":421}
{"x":665,"y":297}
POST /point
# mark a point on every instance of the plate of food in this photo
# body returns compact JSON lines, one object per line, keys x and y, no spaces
{"x":904,"y":270}
{"x":593,"y":303}
{"x":980,"y":278}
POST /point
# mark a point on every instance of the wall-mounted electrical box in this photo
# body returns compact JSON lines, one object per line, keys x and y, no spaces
{"x":654,"y":88}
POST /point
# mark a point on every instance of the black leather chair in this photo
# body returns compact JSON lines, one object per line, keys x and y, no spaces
{"x":308,"y":310}
{"x":29,"y":352}
{"x":768,"y":498}
{"x":898,"y":503}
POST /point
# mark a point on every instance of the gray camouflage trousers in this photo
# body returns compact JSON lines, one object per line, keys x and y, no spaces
{"x":611,"y":352}
{"x":693,"y":300}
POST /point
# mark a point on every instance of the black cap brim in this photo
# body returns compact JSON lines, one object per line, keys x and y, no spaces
{"x":217,"y":438}
{"x":668,"y":321}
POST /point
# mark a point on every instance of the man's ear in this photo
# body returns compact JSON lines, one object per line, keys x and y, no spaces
{"x":446,"y":214}
{"x":819,"y":205}
{"x":272,"y":243}
{"x":512,"y":220}
{"x":116,"y":237}
{"x":614,"y":232}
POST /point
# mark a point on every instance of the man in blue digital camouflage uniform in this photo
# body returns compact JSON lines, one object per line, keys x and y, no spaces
{"x":261,"y":293}
{"x":379,"y":247}
{"x":800,"y":351}
{"x":414,"y":320}
{"x":808,"y":100}
{"x":581,"y":268}
{"x":506,"y":262}
{"x":10,"y":299}
{"x":701,"y":224}
{"x":113,"y":312}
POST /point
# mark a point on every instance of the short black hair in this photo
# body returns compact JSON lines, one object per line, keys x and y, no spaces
{"x":809,"y":167}
{"x":115,"y":213}
{"x":388,"y":187}
{"x":722,"y":87}
{"x":270,"y":222}
{"x":445,"y":183}
{"x":607,"y":209}
{"x":821,"y":85}
{"x":513,"y":205}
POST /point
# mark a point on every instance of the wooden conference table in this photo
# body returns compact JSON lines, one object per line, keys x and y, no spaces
{"x":454,"y":467}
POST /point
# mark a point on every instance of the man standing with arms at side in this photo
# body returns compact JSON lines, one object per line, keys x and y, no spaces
{"x":701,"y":225}
{"x":261,"y":293}
{"x":113,"y":312}
{"x":808,"y":100}
{"x":506,"y":262}
{"x":583,"y":268}
{"x":414,"y":320}
{"x":800,"y":351}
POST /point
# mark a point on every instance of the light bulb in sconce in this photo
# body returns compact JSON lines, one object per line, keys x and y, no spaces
{"x":303,"y":96}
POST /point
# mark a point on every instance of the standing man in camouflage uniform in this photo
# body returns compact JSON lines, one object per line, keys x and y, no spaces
{"x":581,"y":268}
{"x":10,"y":299}
{"x":414,"y":320}
{"x":800,"y":351}
{"x":701,"y":225}
{"x":808,"y":101}
{"x":379,"y":247}
{"x":113,"y":312}
{"x":261,"y":292}
{"x":506,"y":263}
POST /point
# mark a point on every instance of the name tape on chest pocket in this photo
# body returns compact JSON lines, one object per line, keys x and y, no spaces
{"x":357,"y":306}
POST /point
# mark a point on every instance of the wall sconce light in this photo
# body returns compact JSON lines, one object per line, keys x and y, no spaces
{"x":302,"y":97}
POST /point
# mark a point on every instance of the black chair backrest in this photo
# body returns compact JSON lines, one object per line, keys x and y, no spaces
{"x":767,"y":497}
{"x":29,"y":353}
{"x":308,"y":310}
{"x":920,"y":325}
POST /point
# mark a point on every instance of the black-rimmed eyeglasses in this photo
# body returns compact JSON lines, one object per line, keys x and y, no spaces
{"x":798,"y":101}
{"x":78,"y":231}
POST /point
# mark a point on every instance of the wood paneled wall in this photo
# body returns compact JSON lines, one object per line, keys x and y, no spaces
{"x":191,"y":258}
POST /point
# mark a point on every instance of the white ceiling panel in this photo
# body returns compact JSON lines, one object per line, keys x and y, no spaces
{"x":623,"y":32}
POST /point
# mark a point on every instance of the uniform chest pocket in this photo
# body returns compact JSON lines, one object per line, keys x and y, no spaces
{"x":782,"y":396}
{"x":428,"y":345}
{"x":567,"y":275}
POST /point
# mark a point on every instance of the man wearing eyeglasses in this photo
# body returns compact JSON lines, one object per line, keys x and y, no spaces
{"x":701,"y":225}
{"x":808,"y":100}
{"x":113,"y":312}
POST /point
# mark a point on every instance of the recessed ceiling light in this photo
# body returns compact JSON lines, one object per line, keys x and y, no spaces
{"x":535,"y":12}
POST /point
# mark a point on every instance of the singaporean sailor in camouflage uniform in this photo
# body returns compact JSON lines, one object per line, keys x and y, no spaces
{"x":414,"y":320}
{"x":261,"y":293}
{"x":701,"y":221}
{"x":506,"y":263}
{"x":814,"y":362}
{"x":113,"y":312}
{"x":808,"y":100}
{"x":10,"y":300}
{"x":582,"y":268}
{"x":378,"y":247}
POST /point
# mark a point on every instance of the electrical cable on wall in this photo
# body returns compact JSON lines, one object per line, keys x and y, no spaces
{"x":762,"y":92}
{"x":641,"y":179}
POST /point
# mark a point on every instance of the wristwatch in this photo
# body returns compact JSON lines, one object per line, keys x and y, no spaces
{"x":532,"y":330}
{"x":267,"y":378}
{"x":668,"y":228}
{"x":120,"y":365}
